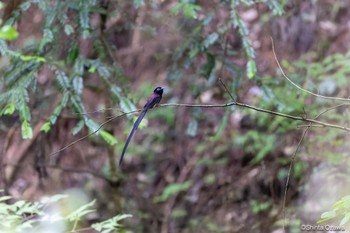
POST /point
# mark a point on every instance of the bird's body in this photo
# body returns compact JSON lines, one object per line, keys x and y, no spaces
{"x":153,"y":100}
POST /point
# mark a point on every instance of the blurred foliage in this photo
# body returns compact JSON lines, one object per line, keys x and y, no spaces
{"x":322,"y":77}
{"x":341,"y":210}
{"x":20,"y":84}
{"x":110,"y":225}
{"x":197,"y":46}
{"x":258,"y":207}
{"x":24,"y":216}
{"x":172,"y":189}
{"x":259,"y":143}
{"x":65,"y":24}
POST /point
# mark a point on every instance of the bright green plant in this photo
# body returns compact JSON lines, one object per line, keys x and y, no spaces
{"x":341,"y":209}
{"x":24,"y":216}
{"x":8,"y":33}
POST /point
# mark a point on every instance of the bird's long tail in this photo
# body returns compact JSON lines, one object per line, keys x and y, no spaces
{"x":134,"y":128}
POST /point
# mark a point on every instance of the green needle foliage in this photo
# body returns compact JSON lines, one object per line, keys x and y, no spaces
{"x":198,"y":45}
{"x":65,"y":24}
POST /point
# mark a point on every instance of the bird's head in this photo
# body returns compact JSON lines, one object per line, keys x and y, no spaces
{"x":158,"y":91}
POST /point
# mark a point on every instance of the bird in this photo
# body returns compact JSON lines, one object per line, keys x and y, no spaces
{"x":153,"y":100}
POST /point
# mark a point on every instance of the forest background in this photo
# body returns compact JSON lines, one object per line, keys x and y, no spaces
{"x":250,"y":135}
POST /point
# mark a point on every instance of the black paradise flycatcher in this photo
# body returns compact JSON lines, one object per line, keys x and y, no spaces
{"x":153,"y":100}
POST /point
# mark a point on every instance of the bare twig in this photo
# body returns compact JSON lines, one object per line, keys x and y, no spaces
{"x":222,"y":69}
{"x":298,"y":118}
{"x":97,"y":111}
{"x":289,"y":174}
{"x":66,"y":169}
{"x":294,"y":156}
{"x":92,"y":133}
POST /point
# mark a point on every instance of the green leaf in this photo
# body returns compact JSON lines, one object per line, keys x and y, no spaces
{"x":276,"y":7}
{"x":110,"y":225}
{"x":8,"y":32}
{"x":25,"y":6}
{"x":175,"y":10}
{"x":92,"y":125}
{"x":343,"y":203}
{"x":178,"y":213}
{"x":5,"y":198}
{"x":78,"y":85}
{"x":78,"y":127}
{"x":68,"y":29}
{"x":172,"y":189}
{"x":267,"y":144}
{"x":83,"y":210}
{"x":92,"y":69}
{"x":327,"y":216}
{"x":27,"y":132}
{"x":210,"y":39}
{"x":221,"y":128}
{"x":210,"y":179}
{"x":209,"y":66}
{"x":251,"y":69}
{"x":31,"y":58}
{"x":126,"y":105}
{"x":46,"y":127}
{"x":63,"y":80}
{"x":109,"y":138}
{"x":105,"y":72}
{"x":77,"y":104}
{"x":190,"y":10}
{"x":345,"y":219}
{"x":73,"y":54}
{"x":47,"y":38}
{"x":192,"y":128}
{"x":54,"y":198}
{"x":84,"y":20}
{"x":57,"y":111}
{"x":207,"y":20}
{"x":138,"y":3}
{"x":9,"y":109}
{"x":24,"y":113}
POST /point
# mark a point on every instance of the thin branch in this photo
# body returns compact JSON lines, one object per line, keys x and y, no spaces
{"x":97,"y":111}
{"x":222,"y":69}
{"x":294,"y":156}
{"x":289,"y":174}
{"x":300,"y":88}
{"x":92,"y":133}
{"x":66,"y":169}
{"x":299,"y":118}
